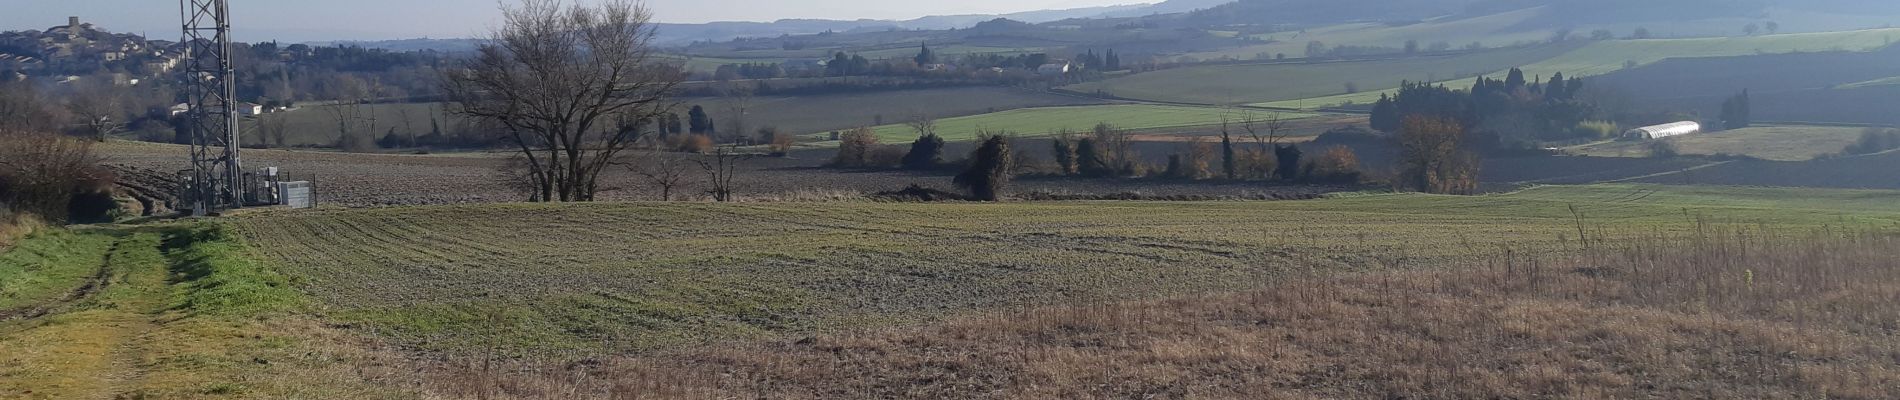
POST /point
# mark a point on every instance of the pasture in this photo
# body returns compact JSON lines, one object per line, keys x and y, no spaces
{"x":1779,"y":143}
{"x":1044,"y":121}
{"x":535,"y":279}
{"x":1260,"y":83}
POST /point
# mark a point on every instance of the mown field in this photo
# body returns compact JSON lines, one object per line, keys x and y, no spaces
{"x":1604,"y":57}
{"x":1262,"y":83}
{"x":640,"y":277}
{"x":1043,"y":121}
{"x":1779,"y":143}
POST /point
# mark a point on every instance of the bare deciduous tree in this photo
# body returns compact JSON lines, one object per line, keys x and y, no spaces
{"x":22,"y":107}
{"x":1265,"y":132}
{"x":923,"y":124}
{"x":738,"y":98}
{"x":721,"y":170}
{"x":274,"y":129}
{"x":98,"y":107}
{"x":572,"y":87}
{"x":666,"y":171}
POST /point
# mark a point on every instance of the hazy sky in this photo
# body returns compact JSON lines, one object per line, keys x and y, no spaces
{"x":307,"y":20}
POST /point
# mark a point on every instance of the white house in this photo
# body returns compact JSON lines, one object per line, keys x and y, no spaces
{"x":181,"y":108}
{"x":1664,"y":130}
{"x":250,"y":109}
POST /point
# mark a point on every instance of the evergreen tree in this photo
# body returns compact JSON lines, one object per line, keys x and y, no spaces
{"x":860,"y":65}
{"x":925,"y":153}
{"x":1289,"y":161}
{"x":840,"y":65}
{"x":1514,"y":81}
{"x":673,"y":123}
{"x":1114,"y":61}
{"x":1088,"y":159}
{"x":925,"y":56}
{"x":698,"y":122}
{"x":1555,"y":89}
{"x":1736,"y":112}
{"x":1385,"y":113}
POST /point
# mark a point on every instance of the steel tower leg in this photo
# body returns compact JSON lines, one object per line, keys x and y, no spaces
{"x":211,"y":91}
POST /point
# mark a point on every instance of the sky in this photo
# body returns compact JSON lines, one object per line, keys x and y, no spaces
{"x":317,"y":20}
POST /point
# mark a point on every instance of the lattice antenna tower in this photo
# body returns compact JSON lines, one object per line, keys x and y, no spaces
{"x":211,"y":91}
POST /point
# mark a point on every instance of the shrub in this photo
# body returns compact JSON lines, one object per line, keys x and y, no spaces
{"x":855,"y":147}
{"x":1663,"y":148}
{"x":690,"y":143}
{"x":1255,"y":164}
{"x":1433,"y":157}
{"x":43,"y":174}
{"x":779,"y":143}
{"x":1064,"y":148}
{"x":1595,"y":130}
{"x":354,"y":143}
{"x":1337,"y":165}
{"x":1875,"y":140}
{"x":925,"y":153}
{"x":392,"y":141}
{"x":885,"y":157}
{"x":989,"y":169}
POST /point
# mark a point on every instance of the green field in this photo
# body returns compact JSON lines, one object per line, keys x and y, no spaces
{"x":1610,"y":56}
{"x":1259,"y":83}
{"x":1494,"y":30}
{"x":1781,"y":143}
{"x":631,"y":277}
{"x":1037,"y":122}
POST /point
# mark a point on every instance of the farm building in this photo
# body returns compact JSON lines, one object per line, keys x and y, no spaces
{"x":1664,"y":130}
{"x":1054,"y":69}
